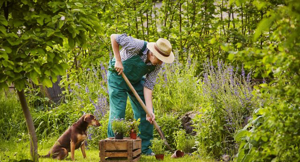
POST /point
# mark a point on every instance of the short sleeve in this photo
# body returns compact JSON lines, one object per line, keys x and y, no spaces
{"x":150,"y":80}
{"x":131,"y":45}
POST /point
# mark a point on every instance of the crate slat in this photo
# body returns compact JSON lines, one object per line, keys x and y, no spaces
{"x":120,"y":150}
{"x":116,"y":154}
{"x":116,"y":145}
{"x":137,"y":144}
{"x":136,"y":152}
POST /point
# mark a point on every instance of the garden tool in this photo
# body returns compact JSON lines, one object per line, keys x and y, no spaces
{"x":146,"y":110}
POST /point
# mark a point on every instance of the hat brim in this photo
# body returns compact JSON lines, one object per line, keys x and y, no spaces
{"x":164,"y":59}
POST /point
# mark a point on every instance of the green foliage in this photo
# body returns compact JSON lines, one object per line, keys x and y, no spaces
{"x":273,"y":131}
{"x":98,"y":133}
{"x":11,"y":116}
{"x":177,"y":89}
{"x":273,"y":134}
{"x":157,"y":146}
{"x":227,"y":102}
{"x":88,"y":90}
{"x":134,"y":125}
{"x":184,"y":142}
{"x":56,"y":121}
{"x":180,"y":137}
{"x":34,"y":33}
{"x":169,"y":124}
{"x":119,"y":126}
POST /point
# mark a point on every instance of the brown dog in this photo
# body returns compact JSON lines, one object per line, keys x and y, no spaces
{"x":72,"y":139}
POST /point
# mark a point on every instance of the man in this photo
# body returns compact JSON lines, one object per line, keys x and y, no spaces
{"x":136,"y":59}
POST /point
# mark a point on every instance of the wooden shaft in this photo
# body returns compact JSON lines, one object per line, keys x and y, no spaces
{"x":147,"y":111}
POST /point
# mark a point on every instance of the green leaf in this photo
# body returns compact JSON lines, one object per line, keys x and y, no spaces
{"x":239,"y":45}
{"x":54,"y":79}
{"x":34,"y":77}
{"x":78,"y":10}
{"x":264,"y":138}
{"x":4,"y":55}
{"x":3,"y":85}
{"x":264,"y":25}
{"x":3,"y":30}
{"x":60,"y":24}
{"x":37,"y":69}
{"x":14,"y":42}
{"x":60,"y":69}
{"x":19,"y":84}
{"x":48,"y":72}
{"x":7,"y":49}
{"x":212,"y":41}
{"x":71,"y":42}
{"x":79,"y":4}
{"x":3,"y":78}
{"x":18,"y":69}
{"x":47,"y":82}
{"x":50,"y":32}
{"x":231,"y":56}
{"x":240,"y":134}
{"x":40,"y":20}
{"x":64,"y":66}
{"x":3,"y":20}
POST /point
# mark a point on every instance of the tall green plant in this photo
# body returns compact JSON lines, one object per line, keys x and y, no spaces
{"x":273,"y":134}
{"x":227,"y":104}
{"x":177,"y":89}
{"x":11,"y":119}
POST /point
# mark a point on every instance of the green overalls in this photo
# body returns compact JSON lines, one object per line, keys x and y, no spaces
{"x":134,"y":69}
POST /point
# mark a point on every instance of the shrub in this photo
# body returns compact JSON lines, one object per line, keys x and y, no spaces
{"x":272,"y":135}
{"x":177,"y":89}
{"x":183,"y":141}
{"x":169,"y":124}
{"x":227,"y":102}
{"x":11,"y":116}
{"x":157,"y":146}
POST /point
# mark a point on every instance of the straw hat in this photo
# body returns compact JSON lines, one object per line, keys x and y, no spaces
{"x":162,"y":49}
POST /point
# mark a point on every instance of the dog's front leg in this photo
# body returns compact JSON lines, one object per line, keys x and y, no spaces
{"x":72,"y":150}
{"x":83,"y":149}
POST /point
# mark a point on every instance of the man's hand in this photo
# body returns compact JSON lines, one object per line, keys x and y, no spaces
{"x":119,"y":67}
{"x":149,"y":118}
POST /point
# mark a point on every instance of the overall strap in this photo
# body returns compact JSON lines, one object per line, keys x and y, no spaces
{"x":143,"y":49}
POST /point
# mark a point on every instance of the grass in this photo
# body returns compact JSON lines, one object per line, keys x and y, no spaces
{"x":17,"y":151}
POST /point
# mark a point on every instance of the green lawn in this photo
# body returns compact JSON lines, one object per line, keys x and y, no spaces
{"x":16,"y":151}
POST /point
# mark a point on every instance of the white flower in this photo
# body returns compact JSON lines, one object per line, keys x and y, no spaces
{"x":19,"y":32}
{"x":63,"y":18}
{"x":31,"y":9}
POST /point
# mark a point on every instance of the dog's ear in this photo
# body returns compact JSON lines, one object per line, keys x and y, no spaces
{"x":88,"y":118}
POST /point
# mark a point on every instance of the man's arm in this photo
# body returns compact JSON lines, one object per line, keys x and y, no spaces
{"x":115,"y":46}
{"x":149,"y":105}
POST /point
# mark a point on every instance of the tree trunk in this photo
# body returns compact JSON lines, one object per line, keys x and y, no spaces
{"x":30,"y":126}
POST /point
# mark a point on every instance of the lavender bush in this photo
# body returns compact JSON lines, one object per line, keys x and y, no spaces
{"x":227,"y":104}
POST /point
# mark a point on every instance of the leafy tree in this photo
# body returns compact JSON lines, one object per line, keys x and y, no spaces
{"x":273,"y":134}
{"x":35,"y":36}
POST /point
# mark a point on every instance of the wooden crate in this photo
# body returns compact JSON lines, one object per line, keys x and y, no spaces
{"x":120,"y":150}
